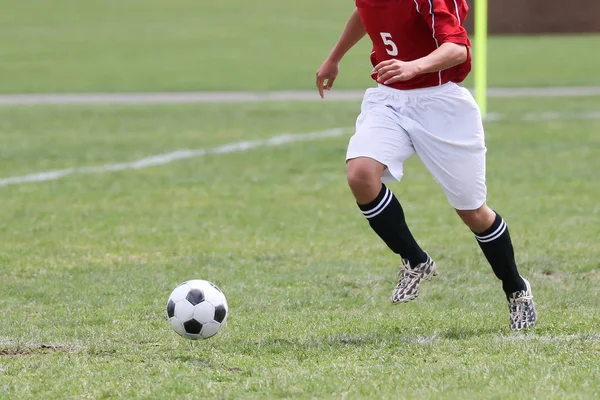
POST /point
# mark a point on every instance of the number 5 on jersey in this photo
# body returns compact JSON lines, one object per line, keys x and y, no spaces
{"x":387,"y":40}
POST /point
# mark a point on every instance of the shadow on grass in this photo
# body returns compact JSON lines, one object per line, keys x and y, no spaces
{"x":465,"y":333}
{"x":194,"y":360}
{"x":384,"y":338}
{"x":302,"y":349}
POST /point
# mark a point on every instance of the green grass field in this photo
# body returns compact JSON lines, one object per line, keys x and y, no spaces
{"x":88,"y":261}
{"x":158,"y":45}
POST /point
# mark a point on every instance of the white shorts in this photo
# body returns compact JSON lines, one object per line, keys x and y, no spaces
{"x":441,"y":124}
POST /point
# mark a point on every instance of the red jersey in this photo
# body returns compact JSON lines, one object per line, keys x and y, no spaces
{"x":407,"y":30}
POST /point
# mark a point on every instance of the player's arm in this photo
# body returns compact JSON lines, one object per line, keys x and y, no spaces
{"x":353,"y":32}
{"x":446,"y":56}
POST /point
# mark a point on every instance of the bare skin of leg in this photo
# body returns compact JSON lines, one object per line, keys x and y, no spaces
{"x":364,"y":178}
{"x":478,"y":220}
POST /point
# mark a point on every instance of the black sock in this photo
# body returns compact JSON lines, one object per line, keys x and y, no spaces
{"x":386,"y":217}
{"x":498,"y":249}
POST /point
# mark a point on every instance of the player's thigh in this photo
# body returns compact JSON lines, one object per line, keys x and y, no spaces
{"x":450,"y":141}
{"x":380,"y":137}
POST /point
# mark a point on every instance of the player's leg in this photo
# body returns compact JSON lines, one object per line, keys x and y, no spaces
{"x":449,"y":139}
{"x":494,"y":240}
{"x":493,"y":237}
{"x":381,"y":207}
{"x":376,"y":154}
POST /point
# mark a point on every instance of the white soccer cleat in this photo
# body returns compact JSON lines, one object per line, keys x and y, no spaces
{"x":410,"y":278}
{"x":522,"y":309}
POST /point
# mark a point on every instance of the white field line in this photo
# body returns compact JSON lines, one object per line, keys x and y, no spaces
{"x":167,"y":158}
{"x":251,"y":97}
{"x":236,"y":147}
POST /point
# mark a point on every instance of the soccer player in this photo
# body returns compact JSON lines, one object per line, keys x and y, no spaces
{"x":420,"y":55}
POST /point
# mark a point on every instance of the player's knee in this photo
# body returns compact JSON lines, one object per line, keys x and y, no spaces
{"x":469,"y":217}
{"x":478,"y":220}
{"x":363,"y":175}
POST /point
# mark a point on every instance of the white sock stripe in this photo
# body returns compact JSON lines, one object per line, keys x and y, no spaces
{"x":499,"y":232}
{"x":378,"y":206}
{"x":493,"y":233}
{"x":382,"y":206}
{"x":389,"y":200}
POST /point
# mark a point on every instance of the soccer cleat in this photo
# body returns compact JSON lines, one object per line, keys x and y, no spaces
{"x":410,"y":278}
{"x":522,"y":309}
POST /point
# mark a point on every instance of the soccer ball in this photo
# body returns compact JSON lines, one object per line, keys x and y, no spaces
{"x":197,"y":309}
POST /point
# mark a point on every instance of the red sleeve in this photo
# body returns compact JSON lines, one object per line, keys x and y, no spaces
{"x":446,"y":18}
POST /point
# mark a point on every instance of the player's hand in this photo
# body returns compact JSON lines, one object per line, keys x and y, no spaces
{"x":326,"y":76}
{"x":392,"y":71}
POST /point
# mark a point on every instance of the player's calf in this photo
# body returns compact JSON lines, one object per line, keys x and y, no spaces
{"x":383,"y":210}
{"x":493,"y":238}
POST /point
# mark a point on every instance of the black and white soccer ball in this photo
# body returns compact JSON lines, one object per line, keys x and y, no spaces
{"x":197,"y":309}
